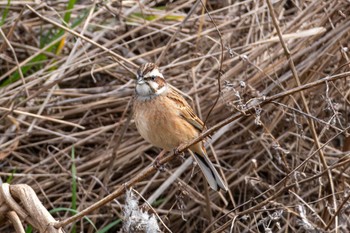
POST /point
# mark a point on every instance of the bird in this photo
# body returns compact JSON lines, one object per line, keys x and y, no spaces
{"x":165,"y":119}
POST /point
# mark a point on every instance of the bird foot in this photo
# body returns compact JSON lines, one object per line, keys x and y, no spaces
{"x":176,"y":151}
{"x":157,"y":165}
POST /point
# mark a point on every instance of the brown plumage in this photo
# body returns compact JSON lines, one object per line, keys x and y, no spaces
{"x":164,"y":118}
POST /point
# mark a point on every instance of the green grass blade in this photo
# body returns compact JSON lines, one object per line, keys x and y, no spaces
{"x":60,"y":209}
{"x":9,"y":179}
{"x":70,"y":6}
{"x":151,"y":17}
{"x":29,"y":229}
{"x":158,"y":202}
{"x":15,"y":76}
{"x":66,"y":19}
{"x":109,"y":226}
{"x":5,"y":13}
{"x":46,"y":39}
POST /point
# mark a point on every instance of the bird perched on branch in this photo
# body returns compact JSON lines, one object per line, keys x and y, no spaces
{"x":166,"y":120}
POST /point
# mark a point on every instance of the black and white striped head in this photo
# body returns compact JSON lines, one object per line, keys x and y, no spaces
{"x":150,"y":82}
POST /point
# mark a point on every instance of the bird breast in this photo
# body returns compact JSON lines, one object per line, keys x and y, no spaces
{"x":159,"y":122}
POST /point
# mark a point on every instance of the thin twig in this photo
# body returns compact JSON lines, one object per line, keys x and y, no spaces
{"x":220,"y":66}
{"x":309,"y":120}
{"x":142,"y":175}
{"x":88,"y":40}
{"x":160,"y":58}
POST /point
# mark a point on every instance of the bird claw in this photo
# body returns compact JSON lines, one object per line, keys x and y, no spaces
{"x":176,"y":151}
{"x":157,"y":165}
{"x":181,"y":154}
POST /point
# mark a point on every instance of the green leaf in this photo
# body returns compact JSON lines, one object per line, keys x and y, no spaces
{"x":29,"y":229}
{"x":10,"y":178}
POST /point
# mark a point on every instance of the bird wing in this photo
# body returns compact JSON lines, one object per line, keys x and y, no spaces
{"x":186,"y":112}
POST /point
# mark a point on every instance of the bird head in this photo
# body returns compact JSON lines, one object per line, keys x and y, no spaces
{"x":150,"y":81}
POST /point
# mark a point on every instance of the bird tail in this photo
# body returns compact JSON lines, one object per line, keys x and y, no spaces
{"x":209,"y":171}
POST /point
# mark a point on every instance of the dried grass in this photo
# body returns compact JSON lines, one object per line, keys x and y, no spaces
{"x":284,"y":154}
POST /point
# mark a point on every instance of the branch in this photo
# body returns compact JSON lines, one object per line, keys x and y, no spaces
{"x":150,"y":170}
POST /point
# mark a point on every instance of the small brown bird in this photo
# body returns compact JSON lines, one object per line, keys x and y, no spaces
{"x":166,"y":120}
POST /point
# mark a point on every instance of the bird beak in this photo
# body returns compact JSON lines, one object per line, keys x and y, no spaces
{"x":140,"y":80}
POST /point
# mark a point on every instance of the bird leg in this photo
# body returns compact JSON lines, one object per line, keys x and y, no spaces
{"x":157,"y":163}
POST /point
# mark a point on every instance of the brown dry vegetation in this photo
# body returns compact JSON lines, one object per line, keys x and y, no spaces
{"x":284,"y":154}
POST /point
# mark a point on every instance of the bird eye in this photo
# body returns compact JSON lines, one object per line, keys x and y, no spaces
{"x":153,"y":78}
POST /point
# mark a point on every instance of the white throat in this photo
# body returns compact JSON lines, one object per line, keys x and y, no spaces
{"x":145,"y":92}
